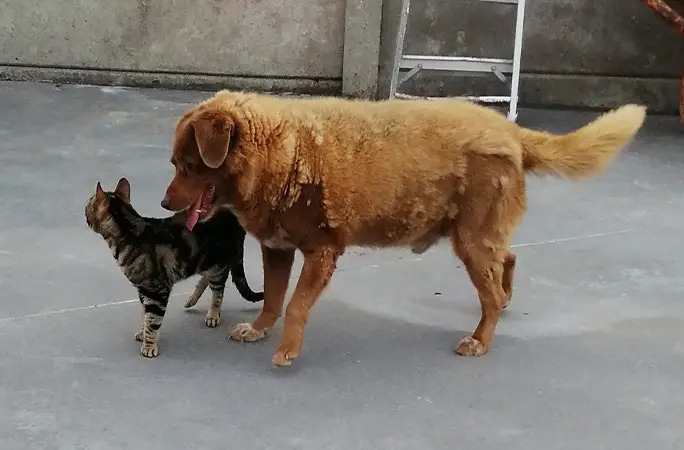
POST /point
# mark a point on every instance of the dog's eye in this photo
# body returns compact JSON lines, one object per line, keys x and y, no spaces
{"x":187,"y":167}
{"x":179,"y":169}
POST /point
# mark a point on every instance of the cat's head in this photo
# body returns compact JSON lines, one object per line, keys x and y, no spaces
{"x":110,"y":212}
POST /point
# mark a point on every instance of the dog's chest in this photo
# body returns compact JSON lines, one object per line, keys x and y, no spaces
{"x":274,"y":237}
{"x":278,"y":239}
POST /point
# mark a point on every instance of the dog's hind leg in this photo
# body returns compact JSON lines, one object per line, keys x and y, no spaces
{"x":495,"y":203}
{"x":485,"y":268}
{"x":507,"y":278}
{"x":200,"y":287}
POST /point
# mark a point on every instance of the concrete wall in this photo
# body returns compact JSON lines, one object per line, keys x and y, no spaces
{"x":576,"y":52}
{"x":258,"y":39}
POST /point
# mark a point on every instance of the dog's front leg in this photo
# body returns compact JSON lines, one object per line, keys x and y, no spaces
{"x":277,"y":270}
{"x":317,"y":271}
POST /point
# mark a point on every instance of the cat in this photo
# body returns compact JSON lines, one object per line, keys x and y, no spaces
{"x":154,"y":254}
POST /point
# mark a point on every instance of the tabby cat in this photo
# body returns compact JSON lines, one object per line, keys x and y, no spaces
{"x":154,"y":254}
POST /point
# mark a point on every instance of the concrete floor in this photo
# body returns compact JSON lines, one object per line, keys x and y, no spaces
{"x":589,"y":356}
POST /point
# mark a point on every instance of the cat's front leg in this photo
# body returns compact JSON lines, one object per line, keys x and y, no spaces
{"x":154,"y":307}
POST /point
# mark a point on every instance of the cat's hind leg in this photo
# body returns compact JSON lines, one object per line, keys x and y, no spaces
{"x":217,"y":284}
{"x":197,"y":293}
{"x":139,"y":334}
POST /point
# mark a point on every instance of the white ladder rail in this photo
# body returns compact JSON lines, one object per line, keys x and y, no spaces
{"x":517,"y":53}
{"x":461,"y":64}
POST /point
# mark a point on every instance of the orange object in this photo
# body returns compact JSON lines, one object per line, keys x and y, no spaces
{"x":671,"y":10}
{"x":681,"y":101}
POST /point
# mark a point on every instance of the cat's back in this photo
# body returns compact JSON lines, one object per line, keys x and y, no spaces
{"x":220,"y":233}
{"x":166,"y":251}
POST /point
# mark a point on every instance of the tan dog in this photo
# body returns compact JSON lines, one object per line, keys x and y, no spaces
{"x":320,"y":175}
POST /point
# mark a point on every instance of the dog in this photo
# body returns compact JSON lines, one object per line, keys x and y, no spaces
{"x":155,"y":254}
{"x":321,"y":174}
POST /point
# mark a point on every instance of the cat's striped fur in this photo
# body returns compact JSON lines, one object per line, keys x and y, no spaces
{"x":154,"y":254}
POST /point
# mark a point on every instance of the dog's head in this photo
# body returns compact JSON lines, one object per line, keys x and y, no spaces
{"x":206,"y":160}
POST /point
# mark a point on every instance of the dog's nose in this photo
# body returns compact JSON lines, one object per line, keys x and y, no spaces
{"x":165,"y":203}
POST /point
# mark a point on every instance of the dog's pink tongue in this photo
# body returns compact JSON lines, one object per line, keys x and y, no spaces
{"x":193,"y":214}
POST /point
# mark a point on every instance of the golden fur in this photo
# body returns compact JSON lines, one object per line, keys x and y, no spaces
{"x":323,"y":174}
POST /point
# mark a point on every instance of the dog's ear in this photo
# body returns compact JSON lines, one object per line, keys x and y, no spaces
{"x":123,"y":190}
{"x":213,"y":132}
{"x":99,"y":192}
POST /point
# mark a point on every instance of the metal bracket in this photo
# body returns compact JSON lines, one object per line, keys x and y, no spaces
{"x":499,"y":74}
{"x":410,"y":74}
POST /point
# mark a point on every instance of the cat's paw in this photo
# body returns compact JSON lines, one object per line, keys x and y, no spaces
{"x":191,"y":301}
{"x":212,"y":320}
{"x":149,"y":350}
{"x":138,"y":336}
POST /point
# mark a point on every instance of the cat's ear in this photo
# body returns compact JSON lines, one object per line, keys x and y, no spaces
{"x":99,"y":193}
{"x":123,"y":190}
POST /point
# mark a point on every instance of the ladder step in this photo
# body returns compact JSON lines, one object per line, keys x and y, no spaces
{"x":472,"y":98}
{"x":456,"y":63}
{"x":510,"y":2}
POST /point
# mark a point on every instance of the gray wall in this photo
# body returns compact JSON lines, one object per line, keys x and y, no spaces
{"x":261,"y":39}
{"x":576,"y":52}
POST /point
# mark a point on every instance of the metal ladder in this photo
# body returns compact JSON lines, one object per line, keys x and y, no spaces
{"x":462,"y":64}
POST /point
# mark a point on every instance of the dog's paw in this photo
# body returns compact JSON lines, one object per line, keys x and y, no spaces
{"x":191,"y":301}
{"x":149,"y":350}
{"x":138,"y":336}
{"x":469,"y":346}
{"x":507,"y":300}
{"x":286,"y":353}
{"x":212,"y":320}
{"x":282,"y":359}
{"x":244,"y":332}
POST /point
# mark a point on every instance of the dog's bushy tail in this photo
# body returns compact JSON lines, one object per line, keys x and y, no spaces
{"x":238,"y":272}
{"x":586,"y":151}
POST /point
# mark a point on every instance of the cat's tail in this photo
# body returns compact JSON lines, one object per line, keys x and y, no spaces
{"x":240,"y":280}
